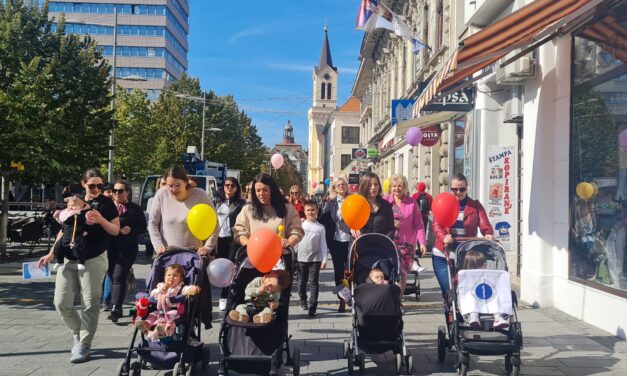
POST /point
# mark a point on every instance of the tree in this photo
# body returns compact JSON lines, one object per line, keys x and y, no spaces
{"x":54,"y":97}
{"x":286,"y":176}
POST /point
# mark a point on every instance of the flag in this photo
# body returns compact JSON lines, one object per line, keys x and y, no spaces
{"x":382,"y":23}
{"x":400,"y":28}
{"x":417,"y":45}
{"x":365,"y":21}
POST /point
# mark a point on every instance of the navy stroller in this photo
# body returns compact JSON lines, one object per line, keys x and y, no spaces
{"x":252,"y":347}
{"x":183,"y":349}
{"x":376,"y":310}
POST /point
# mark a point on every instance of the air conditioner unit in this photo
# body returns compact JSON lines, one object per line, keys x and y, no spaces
{"x":515,"y":73}
{"x":513,"y":111}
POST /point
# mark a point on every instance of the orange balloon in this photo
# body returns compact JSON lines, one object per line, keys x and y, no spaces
{"x":355,"y":211}
{"x":264,"y":249}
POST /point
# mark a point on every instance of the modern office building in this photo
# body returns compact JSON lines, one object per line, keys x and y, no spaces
{"x":149,"y":37}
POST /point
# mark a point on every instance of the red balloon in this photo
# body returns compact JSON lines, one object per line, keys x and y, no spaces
{"x":264,"y":249}
{"x":445,"y":209}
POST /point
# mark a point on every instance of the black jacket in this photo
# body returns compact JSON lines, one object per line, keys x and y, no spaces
{"x":330,"y":220}
{"x":136,"y":220}
{"x":235,"y":206}
{"x":381,"y":222}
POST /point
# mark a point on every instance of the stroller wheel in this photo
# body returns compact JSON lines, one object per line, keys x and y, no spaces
{"x":362,"y":363}
{"x":206,"y":356}
{"x":350,"y":359}
{"x":442,"y":345}
{"x":136,"y":369}
{"x":123,"y":369}
{"x":409,"y":364}
{"x":512,"y":365}
{"x":346,"y":348}
{"x":464,"y":362}
{"x":296,"y":362}
{"x":178,"y":370}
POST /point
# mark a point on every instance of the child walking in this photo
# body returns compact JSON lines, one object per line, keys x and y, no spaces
{"x":311,"y":254}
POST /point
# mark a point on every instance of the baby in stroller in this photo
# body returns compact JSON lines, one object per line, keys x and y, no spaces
{"x":161,"y":323}
{"x":262,"y":298}
{"x":476,"y":260}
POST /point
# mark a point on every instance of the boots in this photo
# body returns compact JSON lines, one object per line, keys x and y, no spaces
{"x":116,"y":313}
{"x":342,"y":307}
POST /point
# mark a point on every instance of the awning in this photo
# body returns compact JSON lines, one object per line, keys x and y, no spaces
{"x":527,"y":28}
{"x":425,"y":121}
{"x":610,"y":35}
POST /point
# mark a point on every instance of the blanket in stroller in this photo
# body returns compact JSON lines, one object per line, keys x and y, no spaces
{"x":484,"y":291}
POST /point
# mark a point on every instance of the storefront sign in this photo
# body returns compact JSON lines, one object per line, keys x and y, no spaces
{"x":462,"y":101}
{"x":373,"y":152}
{"x":430,"y":135}
{"x":502,"y":182}
{"x":359,"y":153}
{"x":401,"y":110}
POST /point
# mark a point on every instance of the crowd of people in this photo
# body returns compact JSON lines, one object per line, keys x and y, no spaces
{"x":111,"y":225}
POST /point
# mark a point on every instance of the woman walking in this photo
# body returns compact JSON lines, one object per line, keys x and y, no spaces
{"x":168,"y":226}
{"x":408,"y":224}
{"x":381,"y":220}
{"x":296,"y":199}
{"x":102,"y":224}
{"x":124,"y":247}
{"x":229,"y":204}
{"x":338,"y":234}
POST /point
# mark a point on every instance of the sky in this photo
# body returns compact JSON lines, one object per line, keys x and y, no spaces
{"x":263,"y":53}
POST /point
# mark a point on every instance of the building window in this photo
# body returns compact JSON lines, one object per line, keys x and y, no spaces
{"x":425,"y":34}
{"x":598,"y":180}
{"x":329,"y":91}
{"x":345,"y":161}
{"x":322,"y":90}
{"x":439,"y":25}
{"x":350,"y":135}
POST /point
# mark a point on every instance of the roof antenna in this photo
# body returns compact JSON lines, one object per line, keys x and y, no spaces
{"x":326,"y":25}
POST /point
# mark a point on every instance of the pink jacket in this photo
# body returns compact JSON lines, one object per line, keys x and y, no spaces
{"x":411,"y":227}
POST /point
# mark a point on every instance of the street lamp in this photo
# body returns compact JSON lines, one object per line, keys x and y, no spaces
{"x":202,"y":99}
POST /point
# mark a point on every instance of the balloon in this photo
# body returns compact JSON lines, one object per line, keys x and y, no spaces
{"x":445,"y":208}
{"x":327,"y":181}
{"x":413,"y":136}
{"x":386,"y":185}
{"x":595,"y":188}
{"x":622,"y":139}
{"x":314,"y":184}
{"x":221,"y":272}
{"x":201,"y":221}
{"x":355,"y":211}
{"x":264,"y":249}
{"x":584,"y":190}
{"x":277,"y":160}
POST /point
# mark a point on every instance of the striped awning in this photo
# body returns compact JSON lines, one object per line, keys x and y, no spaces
{"x":531,"y":25}
{"x":610,"y":35}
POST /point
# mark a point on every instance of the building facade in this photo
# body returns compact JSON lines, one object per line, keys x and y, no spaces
{"x":344,"y":131}
{"x":149,"y":37}
{"x":292,"y":151}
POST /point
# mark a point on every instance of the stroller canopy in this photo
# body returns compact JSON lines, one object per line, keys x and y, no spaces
{"x":492,"y":251}
{"x":366,"y":251}
{"x":189,"y":260}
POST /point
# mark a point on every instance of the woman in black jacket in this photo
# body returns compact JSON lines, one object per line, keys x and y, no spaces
{"x":228,"y":205}
{"x":381,"y":219}
{"x":124,"y":246}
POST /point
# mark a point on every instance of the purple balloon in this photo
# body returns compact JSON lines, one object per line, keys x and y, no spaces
{"x":622,"y":139}
{"x":414,"y":136}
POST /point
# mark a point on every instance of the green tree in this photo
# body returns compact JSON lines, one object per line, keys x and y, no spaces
{"x":286,"y":176}
{"x":53,"y":100}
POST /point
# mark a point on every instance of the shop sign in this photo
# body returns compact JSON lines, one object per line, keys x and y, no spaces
{"x":461,"y":101}
{"x":401,"y":110}
{"x":359,"y":153}
{"x":373,"y":152}
{"x":502,"y":195}
{"x":430,"y":135}
{"x":384,"y":146}
{"x":353,"y":178}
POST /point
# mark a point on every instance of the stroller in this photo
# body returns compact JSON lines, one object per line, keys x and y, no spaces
{"x":255,"y":347}
{"x":484,"y":340}
{"x":376,"y":310}
{"x":183,"y":349}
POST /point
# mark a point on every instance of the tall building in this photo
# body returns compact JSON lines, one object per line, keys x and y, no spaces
{"x":292,"y":151}
{"x":149,"y":37}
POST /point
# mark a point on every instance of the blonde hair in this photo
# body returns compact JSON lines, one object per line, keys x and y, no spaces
{"x":402,"y":180}
{"x":332,"y":192}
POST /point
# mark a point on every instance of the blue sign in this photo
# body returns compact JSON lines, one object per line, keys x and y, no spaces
{"x":401,"y":110}
{"x":484,"y":291}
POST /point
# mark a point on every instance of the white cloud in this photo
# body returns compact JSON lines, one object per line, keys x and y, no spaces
{"x":248,"y":33}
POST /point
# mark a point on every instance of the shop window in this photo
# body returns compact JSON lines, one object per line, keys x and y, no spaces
{"x":598,"y":172}
{"x":439,"y":25}
{"x":425,"y":34}
{"x":345,"y":160}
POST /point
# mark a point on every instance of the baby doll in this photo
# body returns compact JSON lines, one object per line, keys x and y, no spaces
{"x":162,"y":321}
{"x":262,"y":297}
{"x":72,"y":242}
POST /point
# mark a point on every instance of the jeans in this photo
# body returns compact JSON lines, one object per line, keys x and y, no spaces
{"x":106,"y":289}
{"x":309,"y":274}
{"x":439,"y":268}
{"x":339,"y":254}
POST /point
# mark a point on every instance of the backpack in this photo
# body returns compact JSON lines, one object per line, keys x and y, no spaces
{"x":423,"y":203}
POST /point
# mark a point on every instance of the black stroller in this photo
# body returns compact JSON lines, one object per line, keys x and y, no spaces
{"x":254,"y":347}
{"x":182,"y":350}
{"x":376,"y":310}
{"x":485,"y":339}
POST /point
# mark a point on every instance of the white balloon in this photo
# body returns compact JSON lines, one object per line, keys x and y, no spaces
{"x":221,"y":272}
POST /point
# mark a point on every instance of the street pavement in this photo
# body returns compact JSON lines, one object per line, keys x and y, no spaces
{"x":34,"y":340}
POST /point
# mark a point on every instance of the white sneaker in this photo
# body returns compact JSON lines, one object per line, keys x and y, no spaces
{"x":417,"y":267}
{"x":500,"y":322}
{"x":473,"y":320}
{"x":222,"y":304}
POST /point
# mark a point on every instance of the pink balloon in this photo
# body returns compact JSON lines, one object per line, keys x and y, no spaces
{"x":314,"y":184}
{"x":277,"y":160}
{"x":414,"y":136}
{"x":622,"y":139}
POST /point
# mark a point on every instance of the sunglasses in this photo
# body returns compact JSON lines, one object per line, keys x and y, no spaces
{"x":455,"y":190}
{"x":119,"y":191}
{"x":95,"y":186}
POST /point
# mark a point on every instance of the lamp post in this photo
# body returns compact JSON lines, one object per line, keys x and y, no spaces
{"x":202,"y":132}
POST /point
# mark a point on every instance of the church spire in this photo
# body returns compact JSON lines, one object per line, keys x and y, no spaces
{"x":325,"y":54}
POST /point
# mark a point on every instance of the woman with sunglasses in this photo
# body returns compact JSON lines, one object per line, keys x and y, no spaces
{"x":296,"y":199}
{"x":471,"y":218}
{"x":167,"y":225}
{"x":102,"y":224}
{"x":124,"y":247}
{"x":228,"y":204}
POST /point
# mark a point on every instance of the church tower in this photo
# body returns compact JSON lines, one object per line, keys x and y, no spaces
{"x":325,"y":77}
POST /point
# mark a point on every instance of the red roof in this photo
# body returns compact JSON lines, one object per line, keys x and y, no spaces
{"x":353,"y":104}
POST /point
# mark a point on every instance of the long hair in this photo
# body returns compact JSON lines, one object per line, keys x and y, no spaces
{"x":276,"y":198}
{"x":364,"y":184}
{"x":300,"y":194}
{"x":238,"y":190}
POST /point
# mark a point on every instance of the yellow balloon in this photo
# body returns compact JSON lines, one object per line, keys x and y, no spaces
{"x":386,"y":185}
{"x":201,"y":221}
{"x":584,"y":190}
{"x":596,"y":189}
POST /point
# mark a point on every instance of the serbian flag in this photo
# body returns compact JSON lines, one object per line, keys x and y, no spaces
{"x":365,"y":21}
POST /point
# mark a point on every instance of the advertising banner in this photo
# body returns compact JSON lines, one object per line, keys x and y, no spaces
{"x":401,"y":110}
{"x":359,"y":154}
{"x":502,"y":183}
{"x":430,"y":135}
